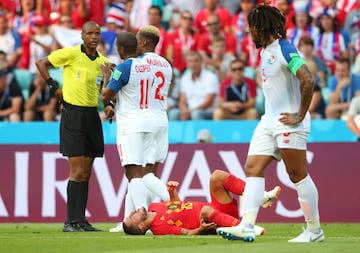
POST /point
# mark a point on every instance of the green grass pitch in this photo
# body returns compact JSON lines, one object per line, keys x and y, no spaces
{"x":48,"y":238}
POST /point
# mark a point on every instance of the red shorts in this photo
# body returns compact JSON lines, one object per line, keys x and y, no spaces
{"x":229,"y":208}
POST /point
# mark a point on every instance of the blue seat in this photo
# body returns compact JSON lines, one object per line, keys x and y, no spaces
{"x":24,"y":78}
{"x":57,"y":75}
{"x":325,"y":93}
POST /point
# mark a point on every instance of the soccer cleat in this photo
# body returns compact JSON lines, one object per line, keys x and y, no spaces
{"x":119,"y":228}
{"x":87,"y":227}
{"x":308,"y":236}
{"x":239,"y":232}
{"x":72,"y":227}
{"x":259,"y":230}
{"x":270,"y":196}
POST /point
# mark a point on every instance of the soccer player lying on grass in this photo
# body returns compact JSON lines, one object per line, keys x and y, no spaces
{"x":178,"y":217}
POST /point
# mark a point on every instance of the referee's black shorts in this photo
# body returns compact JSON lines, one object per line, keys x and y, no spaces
{"x":81,"y":132}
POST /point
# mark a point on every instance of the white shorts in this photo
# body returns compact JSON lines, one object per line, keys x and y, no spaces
{"x":265,"y":142}
{"x":159,"y":146}
{"x":143,"y":148}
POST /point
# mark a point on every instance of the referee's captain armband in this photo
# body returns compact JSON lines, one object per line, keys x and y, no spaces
{"x":99,"y":80}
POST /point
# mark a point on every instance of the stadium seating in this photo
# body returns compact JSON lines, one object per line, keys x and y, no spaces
{"x":24,"y":78}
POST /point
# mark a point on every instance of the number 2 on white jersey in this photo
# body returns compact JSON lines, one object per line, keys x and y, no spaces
{"x":144,"y":90}
{"x":160,"y":75}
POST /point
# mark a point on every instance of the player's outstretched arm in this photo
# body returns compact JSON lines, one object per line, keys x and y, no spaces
{"x":171,"y":187}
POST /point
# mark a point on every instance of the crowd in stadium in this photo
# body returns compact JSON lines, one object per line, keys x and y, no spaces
{"x":215,"y":62}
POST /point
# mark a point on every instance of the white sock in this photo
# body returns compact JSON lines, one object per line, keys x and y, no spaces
{"x":308,"y":199}
{"x":129,"y":205}
{"x":156,"y":186}
{"x":151,"y":197}
{"x":137,"y":192}
{"x":252,"y":199}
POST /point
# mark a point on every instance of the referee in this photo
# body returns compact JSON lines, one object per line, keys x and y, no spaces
{"x":81,"y":134}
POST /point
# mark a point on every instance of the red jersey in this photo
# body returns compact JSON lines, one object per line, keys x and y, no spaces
{"x":249,"y":49}
{"x":160,"y":48}
{"x":200,"y":22}
{"x":96,"y":12}
{"x":204,"y":43}
{"x":9,"y":6}
{"x":181,"y":44}
{"x":171,"y":217}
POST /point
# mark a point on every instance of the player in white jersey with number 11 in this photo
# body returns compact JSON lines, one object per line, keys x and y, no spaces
{"x":131,"y":84}
{"x":148,"y":37}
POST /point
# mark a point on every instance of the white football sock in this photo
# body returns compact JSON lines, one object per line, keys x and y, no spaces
{"x":252,"y":199}
{"x":156,"y":186}
{"x":137,"y":192}
{"x":308,"y":199}
{"x":129,"y":205}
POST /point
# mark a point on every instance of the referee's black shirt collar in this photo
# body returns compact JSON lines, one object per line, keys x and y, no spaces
{"x":90,"y":56}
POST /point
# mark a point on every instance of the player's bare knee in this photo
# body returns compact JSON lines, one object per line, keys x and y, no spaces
{"x":205,"y":212}
{"x":296,"y":176}
{"x":218,"y":176}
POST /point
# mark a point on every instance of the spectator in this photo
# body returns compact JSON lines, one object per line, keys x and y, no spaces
{"x":138,"y":14}
{"x":332,"y":6}
{"x":11,"y":99}
{"x":64,"y":33}
{"x":352,"y":29}
{"x":306,"y":49}
{"x":10,"y":42}
{"x":155,"y":17}
{"x":22,"y":23}
{"x":343,"y":87}
{"x":64,"y":7}
{"x":41,"y":41}
{"x":41,"y":104}
{"x":303,"y":24}
{"x":352,"y":21}
{"x":239,"y":22}
{"x":181,"y":41}
{"x":115,"y":23}
{"x":330,"y":45}
{"x":88,"y":10}
{"x":287,"y":9}
{"x":190,"y":5}
{"x":8,"y":7}
{"x":220,"y":60}
{"x":212,"y":8}
{"x":205,"y":39}
{"x":237,"y":96}
{"x":317,"y":105}
{"x":249,"y":53}
{"x":353,"y":120}
{"x":198,"y":91}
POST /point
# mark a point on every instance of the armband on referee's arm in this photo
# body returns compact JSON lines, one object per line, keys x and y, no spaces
{"x":52,"y":84}
{"x":110,"y":103}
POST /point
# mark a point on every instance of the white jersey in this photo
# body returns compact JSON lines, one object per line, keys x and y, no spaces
{"x":132,"y":81}
{"x":279,"y":63}
{"x":162,"y":73}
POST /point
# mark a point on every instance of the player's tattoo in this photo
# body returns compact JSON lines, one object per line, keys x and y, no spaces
{"x":306,"y":88}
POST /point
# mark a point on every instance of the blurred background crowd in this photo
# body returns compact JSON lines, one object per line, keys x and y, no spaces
{"x":215,"y":62}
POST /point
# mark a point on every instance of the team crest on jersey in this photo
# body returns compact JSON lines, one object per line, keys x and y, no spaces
{"x":117,"y":74}
{"x":272,"y":59}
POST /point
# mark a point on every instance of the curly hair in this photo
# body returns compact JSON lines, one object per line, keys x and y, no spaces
{"x":266,"y":21}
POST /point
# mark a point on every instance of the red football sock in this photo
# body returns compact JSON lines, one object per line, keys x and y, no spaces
{"x":234,"y":184}
{"x":223,"y":219}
